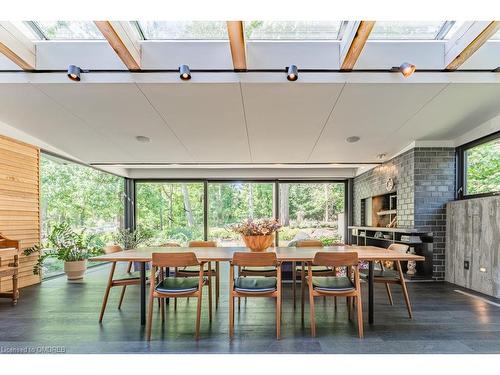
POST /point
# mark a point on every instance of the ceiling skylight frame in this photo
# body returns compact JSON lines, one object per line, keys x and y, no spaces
{"x":144,"y":35}
{"x":339,"y":34}
{"x":39,"y":31}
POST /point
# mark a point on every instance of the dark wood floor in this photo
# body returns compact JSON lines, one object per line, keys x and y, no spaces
{"x":60,"y":314}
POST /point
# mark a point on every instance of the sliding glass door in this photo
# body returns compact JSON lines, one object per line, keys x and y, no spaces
{"x":230,"y":203}
{"x":170,"y":211}
{"x":312,"y":210}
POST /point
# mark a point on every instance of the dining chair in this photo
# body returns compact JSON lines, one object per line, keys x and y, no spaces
{"x":333,"y":286}
{"x":317,"y":270}
{"x":177,"y":287}
{"x":254,"y":286}
{"x":129,"y":278}
{"x":10,"y":269}
{"x":215,"y":272}
{"x":387,"y":276}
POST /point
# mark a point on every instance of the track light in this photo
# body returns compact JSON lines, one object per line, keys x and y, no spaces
{"x":184,"y":72}
{"x":74,"y":72}
{"x":292,"y":73}
{"x":406,"y":69}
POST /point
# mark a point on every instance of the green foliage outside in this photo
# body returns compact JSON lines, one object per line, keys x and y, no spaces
{"x":83,"y":197}
{"x":483,"y":168}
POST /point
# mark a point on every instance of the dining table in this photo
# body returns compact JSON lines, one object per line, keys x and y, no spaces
{"x":368,"y":254}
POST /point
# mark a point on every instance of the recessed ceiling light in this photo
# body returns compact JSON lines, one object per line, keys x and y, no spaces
{"x":352,"y":139}
{"x":142,"y":139}
{"x":381,"y":156}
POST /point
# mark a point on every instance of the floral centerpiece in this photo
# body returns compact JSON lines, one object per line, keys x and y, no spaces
{"x":257,"y":234}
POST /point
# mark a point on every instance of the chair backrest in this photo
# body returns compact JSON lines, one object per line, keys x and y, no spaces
{"x":257,"y":259}
{"x":169,"y":244}
{"x":309,"y":243}
{"x":182,"y":259}
{"x":399,"y":247}
{"x":112,"y":249}
{"x":202,"y":244}
{"x":332,"y":259}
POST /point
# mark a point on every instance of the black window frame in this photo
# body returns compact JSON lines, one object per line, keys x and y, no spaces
{"x":461,"y":165}
{"x":347,"y":195}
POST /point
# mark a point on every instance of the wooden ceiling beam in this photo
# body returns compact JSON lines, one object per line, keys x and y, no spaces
{"x":236,"y":36}
{"x":467,"y":40}
{"x":355,"y":36}
{"x":17,"y":47}
{"x":123,"y":39}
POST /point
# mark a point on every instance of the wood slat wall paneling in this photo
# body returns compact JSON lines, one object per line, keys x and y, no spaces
{"x":20,"y":202}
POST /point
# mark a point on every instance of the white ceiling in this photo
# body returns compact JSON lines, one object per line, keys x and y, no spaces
{"x":243,"y":122}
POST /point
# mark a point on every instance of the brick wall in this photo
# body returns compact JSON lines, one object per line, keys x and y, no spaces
{"x":424,"y":181}
{"x":434,"y":187}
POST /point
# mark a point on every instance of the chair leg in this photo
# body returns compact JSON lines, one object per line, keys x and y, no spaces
{"x":106,"y":293}
{"x":278,"y":317}
{"x":149,"y":321}
{"x":175,"y":304}
{"x":198,"y":314}
{"x":239,"y":303}
{"x":210,"y":299}
{"x":389,"y":294}
{"x":312,"y":312}
{"x":231,"y":315}
{"x":359,"y":308}
{"x":349,"y":308}
{"x":15,"y":292}
{"x":335,"y":302}
{"x":405,"y":290}
{"x":122,"y":294}
{"x":294,"y":282}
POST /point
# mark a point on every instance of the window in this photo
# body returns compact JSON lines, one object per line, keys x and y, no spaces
{"x":66,"y":30}
{"x":482,"y":167}
{"x":230,"y":203}
{"x":81,"y":196}
{"x":187,"y":30}
{"x":293,"y":30}
{"x":312,"y":210}
{"x":496,"y":36}
{"x":414,"y":30}
{"x":170,"y":211}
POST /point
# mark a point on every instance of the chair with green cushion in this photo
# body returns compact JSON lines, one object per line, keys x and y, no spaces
{"x":128,"y":278}
{"x":214,"y":272}
{"x":317,"y":270}
{"x":254,"y":286}
{"x":177,"y":287}
{"x":333,"y":286}
{"x":388,"y":276}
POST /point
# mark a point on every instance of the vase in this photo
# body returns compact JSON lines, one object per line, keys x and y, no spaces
{"x":258,"y":243}
{"x":75,"y":270}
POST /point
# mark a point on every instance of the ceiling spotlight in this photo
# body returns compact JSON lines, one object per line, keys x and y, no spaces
{"x":352,"y":139}
{"x":184,"y":72}
{"x":406,"y":69}
{"x":142,"y":139}
{"x":74,"y":72}
{"x":381,"y":156}
{"x":292,"y":73}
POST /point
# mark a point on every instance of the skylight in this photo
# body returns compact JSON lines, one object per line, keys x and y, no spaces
{"x":293,"y":30}
{"x":406,"y":30}
{"x":66,"y":30}
{"x":496,"y":36}
{"x":183,"y":30}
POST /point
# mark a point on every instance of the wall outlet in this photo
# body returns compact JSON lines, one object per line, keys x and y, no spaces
{"x":466,"y":264}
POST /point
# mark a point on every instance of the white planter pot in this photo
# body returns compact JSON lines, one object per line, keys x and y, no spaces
{"x":75,"y":270}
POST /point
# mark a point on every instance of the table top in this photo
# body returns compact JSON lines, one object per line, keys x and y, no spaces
{"x":299,"y":254}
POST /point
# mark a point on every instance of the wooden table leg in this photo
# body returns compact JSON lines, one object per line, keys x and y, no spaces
{"x":370,"y":292}
{"x":143,"y":292}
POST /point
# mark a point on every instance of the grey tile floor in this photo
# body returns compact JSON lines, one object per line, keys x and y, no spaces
{"x":56,"y":313}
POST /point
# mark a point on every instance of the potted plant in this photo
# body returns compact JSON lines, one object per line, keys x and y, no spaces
{"x":258,"y":234}
{"x":131,"y":239}
{"x":63,"y":243}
